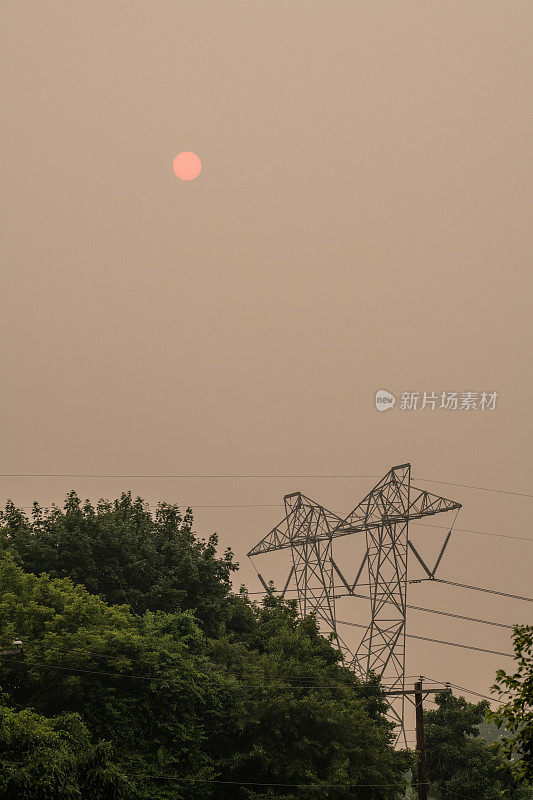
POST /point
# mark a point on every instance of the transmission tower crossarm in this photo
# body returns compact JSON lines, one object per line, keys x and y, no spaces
{"x":276,"y":539}
{"x":393,"y":501}
{"x":302,"y":516}
{"x":425,"y":504}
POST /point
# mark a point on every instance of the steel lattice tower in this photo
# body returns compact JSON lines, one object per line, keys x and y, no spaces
{"x":382,"y":517}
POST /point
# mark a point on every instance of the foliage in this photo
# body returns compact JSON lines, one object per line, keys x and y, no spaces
{"x":138,"y":682}
{"x":123,"y":553}
{"x":516,"y":715}
{"x":459,"y":761}
{"x":151,"y":695}
{"x":304,"y":719}
{"x":54,"y":758}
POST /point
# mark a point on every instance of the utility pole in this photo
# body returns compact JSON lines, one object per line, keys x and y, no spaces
{"x":416,"y":696}
{"x":420,"y":743}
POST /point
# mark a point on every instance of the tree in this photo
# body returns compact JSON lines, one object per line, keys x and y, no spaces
{"x":304,"y":719}
{"x":142,"y":683}
{"x":516,"y":714}
{"x":268,"y":703}
{"x":459,"y":761}
{"x":124,"y":553}
{"x":54,"y":758}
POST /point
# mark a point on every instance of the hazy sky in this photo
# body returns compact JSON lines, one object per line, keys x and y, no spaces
{"x":362,"y":221}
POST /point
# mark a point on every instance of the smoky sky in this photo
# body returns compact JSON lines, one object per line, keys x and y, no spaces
{"x":362,"y":222}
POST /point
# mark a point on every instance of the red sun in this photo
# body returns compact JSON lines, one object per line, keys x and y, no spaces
{"x":187,"y":166}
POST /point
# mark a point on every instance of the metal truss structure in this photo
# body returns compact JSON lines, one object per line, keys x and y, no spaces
{"x":308,"y":530}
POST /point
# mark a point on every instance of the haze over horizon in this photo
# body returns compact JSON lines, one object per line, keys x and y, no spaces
{"x":361,"y":222}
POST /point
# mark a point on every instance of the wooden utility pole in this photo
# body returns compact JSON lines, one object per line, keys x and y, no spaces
{"x":419,"y":694}
{"x":420,"y":743}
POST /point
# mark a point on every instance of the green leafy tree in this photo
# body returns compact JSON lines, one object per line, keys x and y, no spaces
{"x":124,"y":553}
{"x":516,"y":714}
{"x":304,"y":719}
{"x":459,"y":761}
{"x":142,"y":683}
{"x":267,"y":704}
{"x":54,"y":758}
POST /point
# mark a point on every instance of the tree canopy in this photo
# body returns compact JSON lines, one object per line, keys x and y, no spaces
{"x":123,"y":552}
{"x":210,"y":696}
{"x":460,"y":762}
{"x":516,"y":713}
{"x":55,"y":758}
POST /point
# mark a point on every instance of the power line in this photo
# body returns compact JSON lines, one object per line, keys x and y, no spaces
{"x":220,"y":673}
{"x":341,"y":586}
{"x":252,"y":477}
{"x":414,"y":608}
{"x":281,"y":785}
{"x":436,"y":641}
{"x":480,"y":589}
{"x":170,"y":679}
{"x":91,"y":475}
{"x":184,"y":779}
{"x":460,"y":616}
{"x":215,"y":673}
{"x":218,"y":782}
{"x":456,"y":794}
{"x":476,"y":532}
{"x":83,"y":670}
{"x":479,"y":488}
{"x":165,"y":678}
{"x":463,"y":689}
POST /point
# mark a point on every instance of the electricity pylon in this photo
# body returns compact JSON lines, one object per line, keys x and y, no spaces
{"x":307,"y":529}
{"x":382,"y":517}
